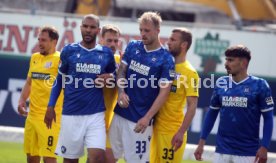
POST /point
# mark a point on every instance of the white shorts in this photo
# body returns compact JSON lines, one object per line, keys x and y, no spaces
{"x":79,"y":131}
{"x":225,"y":158}
{"x":134,"y":147}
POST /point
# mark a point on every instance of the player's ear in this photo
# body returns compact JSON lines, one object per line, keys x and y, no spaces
{"x":158,"y":29}
{"x":245,"y":62}
{"x":101,"y":40}
{"x":184,"y":45}
{"x":55,"y":41}
{"x":99,"y":30}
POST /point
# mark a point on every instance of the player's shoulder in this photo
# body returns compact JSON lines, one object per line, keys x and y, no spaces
{"x":71,"y":46}
{"x":189,"y":68}
{"x":56,"y":54}
{"x":68,"y":47}
{"x":55,"y":57}
{"x":135,"y":44}
{"x":257,"y":80}
{"x":35,"y":55}
{"x":166,"y":55}
{"x":102,"y":48}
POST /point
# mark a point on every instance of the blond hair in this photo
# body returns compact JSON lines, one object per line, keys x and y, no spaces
{"x":110,"y":28}
{"x":150,"y":16}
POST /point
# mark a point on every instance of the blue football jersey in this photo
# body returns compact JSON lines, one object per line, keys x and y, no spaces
{"x":240,"y":107}
{"x":142,"y":67}
{"x":80,"y":67}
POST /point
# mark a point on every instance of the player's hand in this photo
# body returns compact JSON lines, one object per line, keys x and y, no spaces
{"x":104,"y":79}
{"x":261,"y":156}
{"x":105,"y":76}
{"x":198,"y":153}
{"x":121,"y":53}
{"x":49,"y":117}
{"x":142,"y":125}
{"x":177,"y":140}
{"x":123,"y":100}
{"x":22,"y":108}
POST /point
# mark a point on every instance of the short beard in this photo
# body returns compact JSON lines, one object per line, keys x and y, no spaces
{"x":43,"y":53}
{"x":175,"y":53}
{"x":93,"y":39}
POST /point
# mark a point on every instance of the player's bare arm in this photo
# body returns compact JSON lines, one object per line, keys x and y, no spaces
{"x":22,"y":107}
{"x":50,"y":116}
{"x":104,"y":79}
{"x":191,"y":110}
{"x":199,"y":150}
{"x":123,"y":99}
{"x":143,"y":123}
{"x":261,"y":156}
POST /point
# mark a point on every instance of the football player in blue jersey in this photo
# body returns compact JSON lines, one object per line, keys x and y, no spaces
{"x":83,"y":121}
{"x":240,"y":99}
{"x":148,"y":70}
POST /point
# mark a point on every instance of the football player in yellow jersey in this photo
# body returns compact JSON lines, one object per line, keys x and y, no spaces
{"x":170,"y":126}
{"x":110,"y":37}
{"x":38,"y":140}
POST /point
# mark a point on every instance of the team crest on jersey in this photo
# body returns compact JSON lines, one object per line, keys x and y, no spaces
{"x":63,"y":149}
{"x":269,"y":100}
{"x":78,"y":55}
{"x":48,"y":65}
{"x":246,"y":90}
{"x":100,"y":56}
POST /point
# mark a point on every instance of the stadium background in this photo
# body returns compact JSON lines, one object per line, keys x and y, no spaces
{"x":211,"y":36}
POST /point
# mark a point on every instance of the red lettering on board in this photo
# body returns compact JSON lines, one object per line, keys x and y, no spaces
{"x":14,"y":32}
{"x":1,"y":32}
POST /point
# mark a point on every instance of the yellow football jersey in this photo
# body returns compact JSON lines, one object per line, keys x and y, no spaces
{"x":43,"y":71}
{"x":171,"y":115}
{"x":110,"y":97}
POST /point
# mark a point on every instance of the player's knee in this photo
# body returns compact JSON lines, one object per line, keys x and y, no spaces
{"x":96,"y":159}
{"x":49,"y":160}
{"x":97,"y":156}
{"x":33,"y":159}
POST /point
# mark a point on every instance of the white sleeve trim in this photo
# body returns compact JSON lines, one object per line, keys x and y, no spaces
{"x":166,"y":82}
{"x":215,"y":108}
{"x":266,"y":110}
{"x":124,"y":62}
{"x":60,"y":72}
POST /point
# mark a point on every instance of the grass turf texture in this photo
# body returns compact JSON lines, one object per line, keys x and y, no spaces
{"x":13,"y":153}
